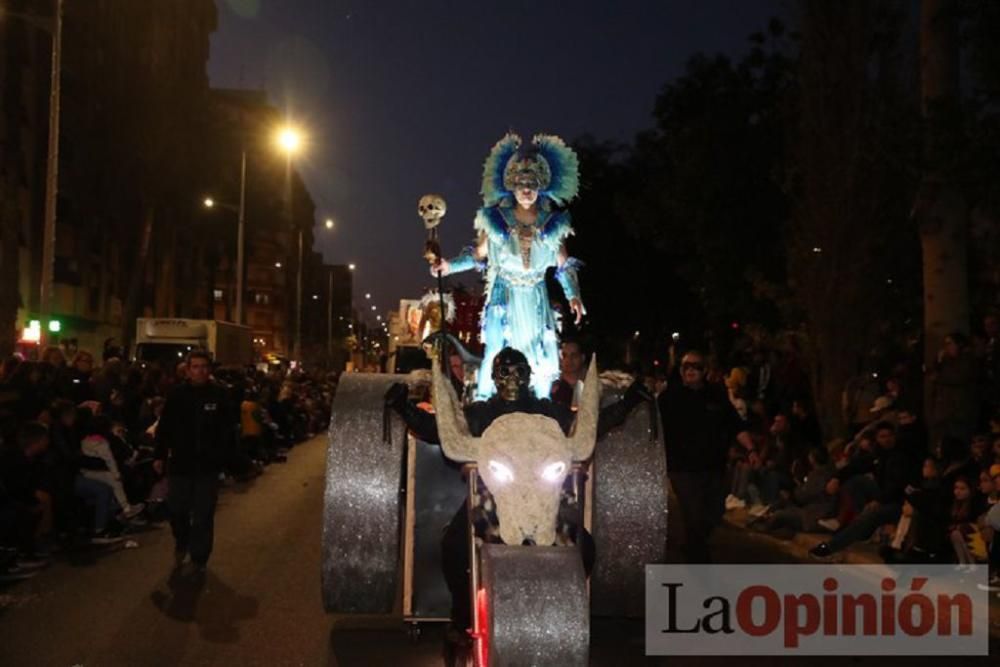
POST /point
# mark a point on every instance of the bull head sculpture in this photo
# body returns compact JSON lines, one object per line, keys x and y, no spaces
{"x":523,"y":458}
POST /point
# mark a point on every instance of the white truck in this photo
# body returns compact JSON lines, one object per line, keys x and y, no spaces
{"x":163,"y":340}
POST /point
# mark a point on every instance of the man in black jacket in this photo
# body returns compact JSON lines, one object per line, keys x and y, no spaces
{"x":196,"y":437}
{"x":699,"y":426}
{"x":875,"y":484}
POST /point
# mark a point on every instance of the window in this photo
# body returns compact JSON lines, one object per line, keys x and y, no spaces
{"x":217,"y":294}
{"x":262,"y":298}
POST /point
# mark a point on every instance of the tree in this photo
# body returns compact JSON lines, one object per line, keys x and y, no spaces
{"x":850,"y":186}
{"x":940,"y":208}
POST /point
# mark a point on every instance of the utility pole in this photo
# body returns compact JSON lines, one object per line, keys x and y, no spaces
{"x":45,"y":293}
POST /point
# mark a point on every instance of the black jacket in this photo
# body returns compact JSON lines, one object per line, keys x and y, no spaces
{"x":892,"y":468}
{"x":198,"y":429}
{"x":699,"y":426}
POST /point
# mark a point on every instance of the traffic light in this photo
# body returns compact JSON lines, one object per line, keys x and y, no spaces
{"x":55,"y":326}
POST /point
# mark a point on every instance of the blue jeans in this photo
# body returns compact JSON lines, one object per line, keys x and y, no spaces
{"x":98,"y":494}
{"x":865,"y":524}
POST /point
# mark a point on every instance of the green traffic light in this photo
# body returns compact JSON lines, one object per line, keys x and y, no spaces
{"x":55,"y":326}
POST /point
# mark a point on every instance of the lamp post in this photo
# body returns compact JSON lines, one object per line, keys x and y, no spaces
{"x":46,"y":288}
{"x":290,"y":141}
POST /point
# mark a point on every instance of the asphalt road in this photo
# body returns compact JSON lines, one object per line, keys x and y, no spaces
{"x":260,"y":604}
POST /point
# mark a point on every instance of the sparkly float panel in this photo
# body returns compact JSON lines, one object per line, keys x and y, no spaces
{"x":361,"y":510}
{"x":536,"y":602}
{"x":629,"y":512}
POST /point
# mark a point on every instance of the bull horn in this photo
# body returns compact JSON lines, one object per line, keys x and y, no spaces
{"x":456,"y":441}
{"x":585,"y":430}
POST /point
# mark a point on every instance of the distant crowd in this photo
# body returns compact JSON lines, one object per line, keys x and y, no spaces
{"x":78,"y":445}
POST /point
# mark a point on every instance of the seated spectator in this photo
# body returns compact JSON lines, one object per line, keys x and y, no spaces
{"x":98,"y":463}
{"x":873,"y":489}
{"x":22,"y":471}
{"x":808,"y":503}
{"x":966,"y":508}
{"x":920,"y":534}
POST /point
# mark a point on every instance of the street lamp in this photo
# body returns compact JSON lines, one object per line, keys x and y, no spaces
{"x":329,"y":223}
{"x":289,"y":140}
{"x":209,"y":202}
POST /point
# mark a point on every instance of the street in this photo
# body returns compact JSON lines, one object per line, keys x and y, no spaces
{"x":260,"y":603}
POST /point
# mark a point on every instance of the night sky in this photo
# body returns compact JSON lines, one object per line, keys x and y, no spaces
{"x":400,"y":98}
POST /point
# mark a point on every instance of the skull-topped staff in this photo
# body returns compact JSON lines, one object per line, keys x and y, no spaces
{"x":431,"y":209}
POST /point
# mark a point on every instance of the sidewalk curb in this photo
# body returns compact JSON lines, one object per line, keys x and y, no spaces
{"x":859,"y":554}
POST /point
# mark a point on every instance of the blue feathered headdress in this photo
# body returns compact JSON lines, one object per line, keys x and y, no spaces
{"x":547,"y":164}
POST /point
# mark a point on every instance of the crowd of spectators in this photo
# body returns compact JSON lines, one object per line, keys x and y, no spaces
{"x":77,"y":443}
{"x":919,"y":478}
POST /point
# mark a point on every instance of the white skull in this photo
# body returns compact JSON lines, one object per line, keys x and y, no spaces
{"x":523,"y":458}
{"x":432,"y":208}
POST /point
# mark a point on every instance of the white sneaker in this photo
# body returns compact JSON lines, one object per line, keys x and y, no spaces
{"x":831,"y":525}
{"x":758,"y":510}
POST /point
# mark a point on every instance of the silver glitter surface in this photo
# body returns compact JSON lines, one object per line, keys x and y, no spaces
{"x":629,"y":513}
{"x":362,"y":500}
{"x":537,"y":606}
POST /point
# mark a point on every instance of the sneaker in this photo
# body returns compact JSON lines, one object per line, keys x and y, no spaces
{"x":992,"y":586}
{"x":132,"y":511}
{"x":758,"y":510}
{"x":734,"y":503}
{"x":105,"y":537}
{"x":821,"y":551}
{"x":831,"y":525}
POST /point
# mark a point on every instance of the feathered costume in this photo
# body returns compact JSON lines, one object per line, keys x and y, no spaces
{"x":517,"y":311}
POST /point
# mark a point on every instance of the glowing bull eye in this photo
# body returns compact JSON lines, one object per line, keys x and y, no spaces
{"x":501,"y":472}
{"x":554,"y":471}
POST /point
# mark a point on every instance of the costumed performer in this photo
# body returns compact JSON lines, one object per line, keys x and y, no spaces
{"x":522,"y":228}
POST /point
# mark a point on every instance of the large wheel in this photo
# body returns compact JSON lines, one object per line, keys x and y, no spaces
{"x":361,"y":511}
{"x":536,"y":606}
{"x":629,"y":512}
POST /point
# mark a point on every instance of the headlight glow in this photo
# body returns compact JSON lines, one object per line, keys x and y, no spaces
{"x":554,"y":471}
{"x":501,"y":472}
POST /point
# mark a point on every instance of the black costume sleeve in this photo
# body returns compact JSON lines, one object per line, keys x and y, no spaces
{"x":422,"y":423}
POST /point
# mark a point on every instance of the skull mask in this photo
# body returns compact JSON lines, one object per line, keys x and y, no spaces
{"x":511,"y":373}
{"x":523,"y":458}
{"x":432,"y":208}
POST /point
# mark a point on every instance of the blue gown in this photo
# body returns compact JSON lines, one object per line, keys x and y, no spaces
{"x":517,"y":312}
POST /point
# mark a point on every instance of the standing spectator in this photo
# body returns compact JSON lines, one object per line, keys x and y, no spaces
{"x":699,"y":422}
{"x":990,"y":363}
{"x":571,"y":370}
{"x":954,"y":402}
{"x":195,"y":438}
{"x":75,"y":384}
{"x":805,"y":425}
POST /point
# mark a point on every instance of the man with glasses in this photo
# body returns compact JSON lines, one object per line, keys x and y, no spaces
{"x":699,"y":425}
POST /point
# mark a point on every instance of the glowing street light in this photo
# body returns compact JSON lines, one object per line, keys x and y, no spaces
{"x":329,"y":223}
{"x":209,"y":202}
{"x":289,"y":139}
{"x":277,"y":265}
{"x":351,"y":267}
{"x":368,"y":295}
